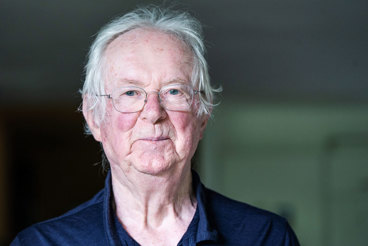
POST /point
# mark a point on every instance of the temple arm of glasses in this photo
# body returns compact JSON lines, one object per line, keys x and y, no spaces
{"x":106,"y":95}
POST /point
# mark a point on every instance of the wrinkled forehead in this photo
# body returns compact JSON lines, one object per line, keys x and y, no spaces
{"x":132,"y":46}
{"x":146,"y":34}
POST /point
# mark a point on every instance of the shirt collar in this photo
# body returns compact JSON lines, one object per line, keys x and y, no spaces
{"x":108,"y":214}
{"x":205,"y":231}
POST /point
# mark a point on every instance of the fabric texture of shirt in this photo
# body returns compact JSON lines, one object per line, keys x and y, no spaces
{"x":218,"y":220}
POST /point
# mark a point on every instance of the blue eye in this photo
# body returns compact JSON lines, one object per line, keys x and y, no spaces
{"x":130,"y":93}
{"x":174,"y":92}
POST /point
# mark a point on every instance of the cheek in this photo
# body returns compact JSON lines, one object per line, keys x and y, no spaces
{"x":187,"y":130}
{"x":116,"y":135}
{"x":118,"y":126}
{"x":119,"y":122}
{"x":125,"y":122}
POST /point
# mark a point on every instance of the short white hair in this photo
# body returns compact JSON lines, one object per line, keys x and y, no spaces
{"x":177,"y":23}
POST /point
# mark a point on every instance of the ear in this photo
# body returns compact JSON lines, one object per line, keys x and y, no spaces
{"x":89,"y":117}
{"x":204,"y":120}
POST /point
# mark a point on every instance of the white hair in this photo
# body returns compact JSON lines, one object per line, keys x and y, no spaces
{"x":179,"y":24}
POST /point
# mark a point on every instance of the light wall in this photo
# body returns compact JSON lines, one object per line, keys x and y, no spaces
{"x":305,"y":162}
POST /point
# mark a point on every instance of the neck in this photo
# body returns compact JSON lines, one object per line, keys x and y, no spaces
{"x":147,"y":201}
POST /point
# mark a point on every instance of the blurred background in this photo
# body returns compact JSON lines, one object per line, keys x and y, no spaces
{"x":290,"y":134}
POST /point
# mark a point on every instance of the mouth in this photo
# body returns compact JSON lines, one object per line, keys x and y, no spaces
{"x":155,"y":139}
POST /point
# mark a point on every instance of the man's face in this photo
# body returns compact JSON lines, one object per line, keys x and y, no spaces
{"x":153,"y":140}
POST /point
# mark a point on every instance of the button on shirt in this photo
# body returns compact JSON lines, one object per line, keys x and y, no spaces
{"x":218,"y":220}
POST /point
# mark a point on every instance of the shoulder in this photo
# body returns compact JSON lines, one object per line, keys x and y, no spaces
{"x":241,"y":222}
{"x":77,"y":225}
{"x":237,"y":211}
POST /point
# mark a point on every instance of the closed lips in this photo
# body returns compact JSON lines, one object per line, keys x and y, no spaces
{"x":155,"y":138}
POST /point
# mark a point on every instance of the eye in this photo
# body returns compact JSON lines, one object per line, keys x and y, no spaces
{"x":174,"y":91}
{"x":131,"y":93}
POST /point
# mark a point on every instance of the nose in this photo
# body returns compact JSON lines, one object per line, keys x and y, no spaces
{"x":152,"y":110}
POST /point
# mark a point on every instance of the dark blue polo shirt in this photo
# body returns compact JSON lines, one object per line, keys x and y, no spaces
{"x":217,"y":221}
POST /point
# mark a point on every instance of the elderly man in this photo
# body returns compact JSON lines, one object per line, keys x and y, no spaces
{"x":147,"y":99}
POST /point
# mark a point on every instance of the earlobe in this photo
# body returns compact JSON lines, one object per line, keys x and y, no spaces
{"x":89,"y":117}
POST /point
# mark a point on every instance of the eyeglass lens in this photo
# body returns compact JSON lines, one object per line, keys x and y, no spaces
{"x":173,"y":97}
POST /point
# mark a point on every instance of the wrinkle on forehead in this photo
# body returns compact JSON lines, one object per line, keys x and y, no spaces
{"x":132,"y":37}
{"x":146,"y":33}
{"x":134,"y":40}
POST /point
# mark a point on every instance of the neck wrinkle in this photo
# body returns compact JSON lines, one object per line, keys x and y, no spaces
{"x":145,"y":201}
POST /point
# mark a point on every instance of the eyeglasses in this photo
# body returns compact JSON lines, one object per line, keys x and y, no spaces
{"x":130,"y":99}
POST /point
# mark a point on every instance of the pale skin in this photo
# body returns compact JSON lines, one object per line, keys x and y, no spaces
{"x":150,"y":151}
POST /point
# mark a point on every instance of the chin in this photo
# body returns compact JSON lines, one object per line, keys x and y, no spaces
{"x":153,"y":166}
